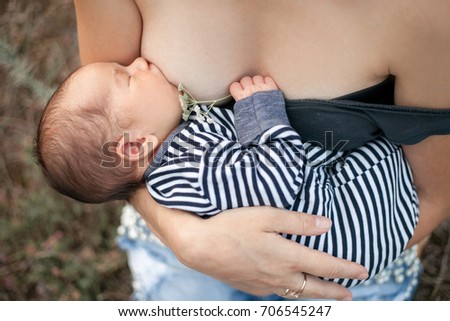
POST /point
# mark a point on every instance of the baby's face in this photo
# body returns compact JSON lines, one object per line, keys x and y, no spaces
{"x":139,"y":93}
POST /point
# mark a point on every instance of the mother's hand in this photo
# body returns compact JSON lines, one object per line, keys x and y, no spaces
{"x":242,"y":247}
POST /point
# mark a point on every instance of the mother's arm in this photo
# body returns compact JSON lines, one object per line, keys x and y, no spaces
{"x":108,"y":30}
{"x":241,"y":247}
{"x":420,"y":51}
{"x":429,"y":161}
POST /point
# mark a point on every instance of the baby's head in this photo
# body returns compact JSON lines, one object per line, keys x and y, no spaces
{"x":101,"y":126}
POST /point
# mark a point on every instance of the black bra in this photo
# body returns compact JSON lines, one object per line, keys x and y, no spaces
{"x":352,"y":120}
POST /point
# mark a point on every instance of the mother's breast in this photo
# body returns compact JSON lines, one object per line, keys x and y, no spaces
{"x":208,"y":44}
{"x":205,"y":48}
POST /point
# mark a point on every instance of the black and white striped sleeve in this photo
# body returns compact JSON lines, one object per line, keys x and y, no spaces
{"x":266,"y":165}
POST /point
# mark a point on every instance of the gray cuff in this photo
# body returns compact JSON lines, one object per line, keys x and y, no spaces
{"x":258,"y":113}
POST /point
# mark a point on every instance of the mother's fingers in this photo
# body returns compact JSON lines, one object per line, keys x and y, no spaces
{"x":283,"y":221}
{"x":304,"y":259}
{"x":316,"y":288}
{"x":300,"y":258}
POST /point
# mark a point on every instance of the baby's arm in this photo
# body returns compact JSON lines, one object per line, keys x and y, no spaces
{"x":259,"y":107}
{"x":267,"y":165}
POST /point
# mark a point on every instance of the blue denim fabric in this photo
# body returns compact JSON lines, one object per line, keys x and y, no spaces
{"x":398,"y":282}
{"x":158,"y":275}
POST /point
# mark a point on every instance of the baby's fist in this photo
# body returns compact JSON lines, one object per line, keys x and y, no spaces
{"x":248,"y":86}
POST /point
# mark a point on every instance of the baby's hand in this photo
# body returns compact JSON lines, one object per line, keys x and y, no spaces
{"x":248,"y":86}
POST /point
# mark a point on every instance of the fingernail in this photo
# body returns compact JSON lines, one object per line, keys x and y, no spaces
{"x":349,"y":298}
{"x":363,"y":276}
{"x":323,"y":223}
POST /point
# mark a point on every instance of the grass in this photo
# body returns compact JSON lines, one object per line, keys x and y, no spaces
{"x":53,"y":248}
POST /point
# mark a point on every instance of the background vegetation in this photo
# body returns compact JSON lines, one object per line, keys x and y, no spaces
{"x":52,"y":248}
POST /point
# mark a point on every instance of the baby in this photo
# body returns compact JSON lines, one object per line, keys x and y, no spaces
{"x":109,"y":128}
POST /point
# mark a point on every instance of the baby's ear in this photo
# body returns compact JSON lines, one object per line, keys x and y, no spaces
{"x":136,"y":148}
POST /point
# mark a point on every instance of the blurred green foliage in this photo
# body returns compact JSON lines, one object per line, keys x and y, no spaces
{"x":51,"y":248}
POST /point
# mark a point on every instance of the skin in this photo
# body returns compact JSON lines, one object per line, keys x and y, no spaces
{"x":313,"y":49}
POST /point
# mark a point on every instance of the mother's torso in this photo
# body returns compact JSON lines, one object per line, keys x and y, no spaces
{"x":313,"y":49}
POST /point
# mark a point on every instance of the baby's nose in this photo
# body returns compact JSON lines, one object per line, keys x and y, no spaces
{"x":139,"y":64}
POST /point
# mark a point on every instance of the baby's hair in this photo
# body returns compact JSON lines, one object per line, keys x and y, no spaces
{"x":72,"y":149}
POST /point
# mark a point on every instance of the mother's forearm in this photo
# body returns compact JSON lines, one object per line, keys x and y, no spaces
{"x":431,"y":172}
{"x":244,"y":248}
{"x":108,"y":31}
{"x":431,"y":215}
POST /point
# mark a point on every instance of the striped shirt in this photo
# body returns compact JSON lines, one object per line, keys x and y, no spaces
{"x":253,"y":157}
